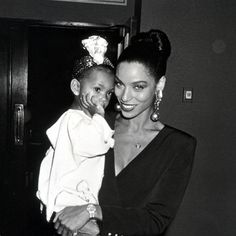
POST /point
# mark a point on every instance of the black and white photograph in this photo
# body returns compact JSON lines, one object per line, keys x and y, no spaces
{"x":118,"y":117}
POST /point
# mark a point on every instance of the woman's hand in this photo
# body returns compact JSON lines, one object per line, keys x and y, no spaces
{"x":71,"y":219}
{"x":90,"y":228}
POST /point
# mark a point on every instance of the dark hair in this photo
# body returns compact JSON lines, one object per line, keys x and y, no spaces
{"x":151,"y":49}
{"x":79,"y":74}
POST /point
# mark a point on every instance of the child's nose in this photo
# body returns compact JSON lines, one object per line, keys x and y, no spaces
{"x":104,"y":99}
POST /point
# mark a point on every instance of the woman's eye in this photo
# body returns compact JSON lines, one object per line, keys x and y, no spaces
{"x":97,"y":89}
{"x":118,"y":84}
{"x":139,"y":87}
{"x":110,"y":93}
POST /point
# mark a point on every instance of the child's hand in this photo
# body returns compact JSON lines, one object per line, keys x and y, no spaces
{"x":92,"y":104}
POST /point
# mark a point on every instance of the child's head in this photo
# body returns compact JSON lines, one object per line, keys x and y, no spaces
{"x":98,"y":81}
{"x":92,"y":77}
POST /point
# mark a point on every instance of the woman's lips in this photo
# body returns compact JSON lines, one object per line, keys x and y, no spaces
{"x":127,"y":107}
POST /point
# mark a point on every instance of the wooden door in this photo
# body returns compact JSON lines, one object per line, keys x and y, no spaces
{"x":36,"y":62}
{"x":13,"y":78}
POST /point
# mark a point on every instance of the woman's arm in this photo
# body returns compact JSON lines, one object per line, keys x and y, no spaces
{"x":77,"y":219}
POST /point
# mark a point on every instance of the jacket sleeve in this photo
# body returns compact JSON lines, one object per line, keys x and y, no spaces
{"x":161,"y":203}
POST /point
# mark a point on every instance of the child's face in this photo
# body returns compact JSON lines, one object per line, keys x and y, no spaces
{"x":100,"y":85}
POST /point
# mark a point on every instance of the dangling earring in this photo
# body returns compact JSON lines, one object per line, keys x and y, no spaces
{"x":156,"y":115}
{"x":117,"y":107}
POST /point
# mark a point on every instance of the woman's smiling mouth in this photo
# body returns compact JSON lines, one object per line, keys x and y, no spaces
{"x":127,"y":107}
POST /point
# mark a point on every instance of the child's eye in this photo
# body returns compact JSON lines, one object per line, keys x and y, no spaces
{"x":97,"y":89}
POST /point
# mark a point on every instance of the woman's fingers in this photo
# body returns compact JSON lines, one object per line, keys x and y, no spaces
{"x":57,"y":224}
{"x":90,"y":228}
{"x":72,"y":233}
{"x":72,"y":218}
{"x":66,"y":232}
{"x":57,"y":216}
{"x":60,"y":229}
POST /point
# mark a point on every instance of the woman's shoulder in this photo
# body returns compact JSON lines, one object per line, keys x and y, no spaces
{"x":180,"y":144}
{"x":180,"y":136}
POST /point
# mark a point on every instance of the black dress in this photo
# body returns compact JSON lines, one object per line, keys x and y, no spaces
{"x":144,"y":197}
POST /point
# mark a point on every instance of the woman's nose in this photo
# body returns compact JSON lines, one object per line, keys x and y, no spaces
{"x":125,"y":96}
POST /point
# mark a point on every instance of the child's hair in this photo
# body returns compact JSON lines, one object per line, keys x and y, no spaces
{"x":96,"y":47}
{"x":80,"y":74}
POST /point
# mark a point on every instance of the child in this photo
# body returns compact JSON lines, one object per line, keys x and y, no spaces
{"x":71,"y":172}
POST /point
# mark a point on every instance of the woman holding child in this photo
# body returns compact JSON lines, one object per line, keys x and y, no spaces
{"x":147,"y":171}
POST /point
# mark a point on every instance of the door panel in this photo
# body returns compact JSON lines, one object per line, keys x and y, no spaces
{"x":4,"y":49}
{"x":13,"y":91}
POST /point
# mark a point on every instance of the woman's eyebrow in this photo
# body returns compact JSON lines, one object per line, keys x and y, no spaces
{"x":117,"y":79}
{"x":140,"y":81}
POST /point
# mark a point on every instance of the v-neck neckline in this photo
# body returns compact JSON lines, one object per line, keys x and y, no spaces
{"x":157,"y":139}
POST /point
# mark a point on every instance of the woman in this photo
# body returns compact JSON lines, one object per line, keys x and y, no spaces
{"x":147,"y":172}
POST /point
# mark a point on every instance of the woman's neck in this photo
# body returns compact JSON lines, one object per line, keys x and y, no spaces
{"x":140,"y":122}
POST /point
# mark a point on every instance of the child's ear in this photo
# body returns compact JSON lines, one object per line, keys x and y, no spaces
{"x":75,"y":87}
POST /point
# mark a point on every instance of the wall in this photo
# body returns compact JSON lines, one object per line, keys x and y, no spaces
{"x":203,"y":37}
{"x":50,"y":10}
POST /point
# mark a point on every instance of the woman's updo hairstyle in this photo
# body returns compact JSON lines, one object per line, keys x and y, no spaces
{"x":151,"y":49}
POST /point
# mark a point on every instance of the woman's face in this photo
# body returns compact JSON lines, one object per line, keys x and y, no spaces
{"x":134,"y":89}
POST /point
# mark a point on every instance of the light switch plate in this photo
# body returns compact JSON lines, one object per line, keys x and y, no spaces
{"x":187,"y":94}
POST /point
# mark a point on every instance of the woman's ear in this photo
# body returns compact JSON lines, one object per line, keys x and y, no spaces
{"x":75,"y":87}
{"x":161,"y":84}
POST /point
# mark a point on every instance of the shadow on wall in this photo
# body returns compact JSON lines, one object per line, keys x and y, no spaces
{"x":207,"y":224}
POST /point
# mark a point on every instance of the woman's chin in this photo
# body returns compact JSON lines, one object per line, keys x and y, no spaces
{"x":128,"y":115}
{"x":142,"y":114}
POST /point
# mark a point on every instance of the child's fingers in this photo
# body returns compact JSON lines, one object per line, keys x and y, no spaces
{"x":84,"y":101}
{"x":89,"y":100}
{"x":100,"y":109}
{"x":95,"y":101}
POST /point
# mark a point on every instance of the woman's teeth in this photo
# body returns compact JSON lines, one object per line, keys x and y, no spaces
{"x":127,"y":107}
